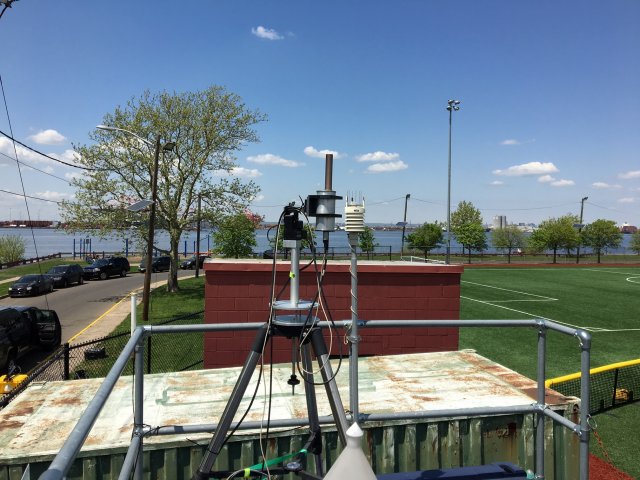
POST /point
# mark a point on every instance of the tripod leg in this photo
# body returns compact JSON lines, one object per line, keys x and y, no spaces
{"x":312,"y":407}
{"x":217,"y":441}
{"x":337,"y":409}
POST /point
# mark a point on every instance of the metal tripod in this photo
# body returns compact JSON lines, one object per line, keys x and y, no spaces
{"x":314,"y":340}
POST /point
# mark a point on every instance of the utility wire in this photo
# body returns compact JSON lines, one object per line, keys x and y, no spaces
{"x":15,"y":152}
{"x":7,"y":4}
{"x":34,"y":168}
{"x":30,"y":196}
{"x":10,"y":137}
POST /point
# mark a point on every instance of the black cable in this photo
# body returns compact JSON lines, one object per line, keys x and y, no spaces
{"x":10,"y":137}
{"x":29,"y":196}
{"x":15,"y":152}
{"x":35,"y":168}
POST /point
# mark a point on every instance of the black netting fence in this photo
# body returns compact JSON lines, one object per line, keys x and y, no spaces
{"x":611,"y":386}
{"x":94,"y":358}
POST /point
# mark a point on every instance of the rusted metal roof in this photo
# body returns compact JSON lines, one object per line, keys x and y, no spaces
{"x":35,"y":425}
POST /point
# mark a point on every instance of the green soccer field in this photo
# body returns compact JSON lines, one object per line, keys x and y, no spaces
{"x":605,"y":301}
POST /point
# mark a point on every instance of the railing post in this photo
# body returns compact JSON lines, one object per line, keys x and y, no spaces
{"x":149,"y":354}
{"x":540,"y":397}
{"x":585,"y":401}
{"x":66,"y":361}
{"x":139,"y":406}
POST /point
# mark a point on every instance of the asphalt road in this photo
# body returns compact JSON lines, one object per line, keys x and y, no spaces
{"x":79,"y":305}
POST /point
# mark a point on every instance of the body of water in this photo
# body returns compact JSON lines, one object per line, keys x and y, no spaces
{"x":49,"y":241}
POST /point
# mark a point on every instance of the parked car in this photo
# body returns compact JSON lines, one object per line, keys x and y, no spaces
{"x":158,"y":264}
{"x":65,"y":275}
{"x":23,"y":329}
{"x":33,"y":284}
{"x":190,"y":263}
{"x":104,"y":268}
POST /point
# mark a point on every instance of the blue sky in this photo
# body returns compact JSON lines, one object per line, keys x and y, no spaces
{"x":550,"y":108}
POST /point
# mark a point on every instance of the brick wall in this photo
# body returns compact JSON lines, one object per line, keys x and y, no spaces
{"x":239,"y":291}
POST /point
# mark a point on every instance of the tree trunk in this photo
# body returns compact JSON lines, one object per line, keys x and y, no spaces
{"x":172,"y":280}
{"x":598,"y":250}
{"x":509,"y":256}
{"x":555,"y":252}
{"x":469,"y":254}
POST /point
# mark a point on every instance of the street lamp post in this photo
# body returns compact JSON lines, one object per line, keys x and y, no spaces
{"x":158,"y":147}
{"x":584,"y":199}
{"x":404,"y":224}
{"x":452,"y":105}
{"x":197,"y":249}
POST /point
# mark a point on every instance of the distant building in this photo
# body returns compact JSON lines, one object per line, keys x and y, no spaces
{"x":499,"y":221}
{"x":626,"y":228}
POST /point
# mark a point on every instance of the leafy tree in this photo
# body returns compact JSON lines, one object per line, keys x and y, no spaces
{"x":466,"y":225}
{"x":207,"y":127}
{"x":509,"y":238}
{"x":235,"y":236}
{"x":601,"y":234}
{"x":426,"y":237}
{"x":367,"y":241}
{"x":556,"y":233}
{"x":635,"y":242}
{"x":12,"y":248}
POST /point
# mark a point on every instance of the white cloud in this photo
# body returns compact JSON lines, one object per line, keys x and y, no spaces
{"x":270,"y":159}
{"x":378,"y":156}
{"x":246,"y":172}
{"x":604,"y":185}
{"x":546,"y":179}
{"x":69,"y":156}
{"x":563,"y":183}
{"x":73,"y":175}
{"x":627,"y":200}
{"x":387,"y":167}
{"x":497,"y":183}
{"x":266,"y":33}
{"x":55,"y":196}
{"x":531,"y":168}
{"x":48,"y":137}
{"x":258,"y":198}
{"x":312,"y":152}
{"x":630,"y":175}
{"x":510,"y":141}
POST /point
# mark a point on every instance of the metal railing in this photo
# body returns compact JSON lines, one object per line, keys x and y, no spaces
{"x":133,"y":462}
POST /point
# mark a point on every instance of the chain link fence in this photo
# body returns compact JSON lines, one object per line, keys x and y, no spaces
{"x":94,"y":358}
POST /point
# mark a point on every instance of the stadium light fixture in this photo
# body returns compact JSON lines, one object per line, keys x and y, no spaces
{"x":452,"y":105}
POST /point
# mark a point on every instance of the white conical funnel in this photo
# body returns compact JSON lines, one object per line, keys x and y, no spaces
{"x":352,"y":463}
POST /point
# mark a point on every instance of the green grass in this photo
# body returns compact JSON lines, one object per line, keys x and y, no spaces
{"x":603,"y":300}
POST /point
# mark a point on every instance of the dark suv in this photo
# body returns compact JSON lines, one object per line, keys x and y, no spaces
{"x":158,"y":264}
{"x":64,"y":275}
{"x":190,"y":263}
{"x":104,"y":268}
{"x":23,"y":329}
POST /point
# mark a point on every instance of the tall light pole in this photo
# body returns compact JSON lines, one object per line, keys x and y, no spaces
{"x":404,"y":224}
{"x":584,"y":199}
{"x":452,"y":105}
{"x":158,"y":147}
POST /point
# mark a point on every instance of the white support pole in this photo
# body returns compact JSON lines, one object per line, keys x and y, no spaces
{"x":134,"y":307}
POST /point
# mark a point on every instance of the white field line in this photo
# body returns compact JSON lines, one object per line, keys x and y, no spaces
{"x":542,"y":297}
{"x":524,"y":313}
{"x":633,"y":279}
{"x":546,"y":299}
{"x":603,"y":270}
